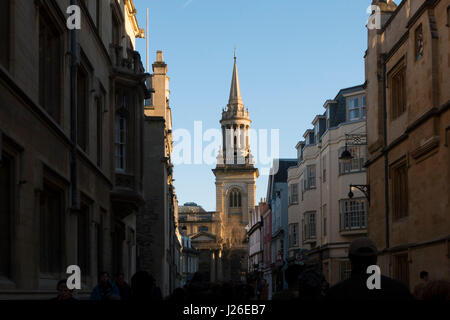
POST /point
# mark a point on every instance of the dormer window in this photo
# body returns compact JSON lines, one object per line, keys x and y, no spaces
{"x":311,"y":138}
{"x":328,"y":117}
{"x":356,"y":107}
{"x":316,"y":131}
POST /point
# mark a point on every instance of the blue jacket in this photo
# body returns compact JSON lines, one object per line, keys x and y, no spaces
{"x":109,"y":293}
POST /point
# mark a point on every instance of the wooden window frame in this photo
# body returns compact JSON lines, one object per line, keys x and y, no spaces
{"x":5,"y":34}
{"x":400,"y":205}
{"x":11,"y":209}
{"x":418,"y":50}
{"x":401,"y":267}
{"x":51,"y":99}
{"x":44,"y":230}
{"x":397,"y":90}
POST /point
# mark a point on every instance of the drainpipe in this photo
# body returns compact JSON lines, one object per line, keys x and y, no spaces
{"x":386,"y":160}
{"x":74,"y":61}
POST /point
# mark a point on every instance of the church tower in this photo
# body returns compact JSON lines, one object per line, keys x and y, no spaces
{"x":235,"y":181}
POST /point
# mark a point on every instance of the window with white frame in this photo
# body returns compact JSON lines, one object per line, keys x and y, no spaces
{"x":316,"y":132}
{"x":356,"y":108}
{"x":121,"y":142}
{"x":324,"y":217}
{"x":353,"y":214}
{"x":328,"y":117}
{"x":311,"y":176}
{"x":324,"y":168}
{"x":293,"y":235}
{"x":310,"y":225}
{"x":345,"y":270}
{"x":356,"y":164}
{"x":293,"y":193}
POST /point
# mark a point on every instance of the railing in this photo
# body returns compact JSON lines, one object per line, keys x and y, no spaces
{"x":131,"y":63}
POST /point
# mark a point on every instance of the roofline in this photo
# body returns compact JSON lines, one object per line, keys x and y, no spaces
{"x":349,"y":88}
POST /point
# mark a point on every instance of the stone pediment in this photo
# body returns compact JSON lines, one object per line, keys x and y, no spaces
{"x":203,"y":237}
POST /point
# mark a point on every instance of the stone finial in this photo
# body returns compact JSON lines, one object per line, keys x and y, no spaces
{"x":159,"y":56}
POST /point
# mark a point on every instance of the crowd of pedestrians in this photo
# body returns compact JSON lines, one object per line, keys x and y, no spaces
{"x":303,"y":283}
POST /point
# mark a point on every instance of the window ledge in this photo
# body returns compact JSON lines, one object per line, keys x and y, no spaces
{"x":425,"y":147}
{"x":353,"y":232}
{"x":351,"y":172}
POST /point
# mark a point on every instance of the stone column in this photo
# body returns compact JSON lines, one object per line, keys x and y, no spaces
{"x":219,"y":266}
{"x":213,"y":267}
{"x":229,"y":144}
{"x":223,"y":139}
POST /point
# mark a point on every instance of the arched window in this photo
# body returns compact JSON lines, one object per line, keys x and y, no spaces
{"x":235,"y":199}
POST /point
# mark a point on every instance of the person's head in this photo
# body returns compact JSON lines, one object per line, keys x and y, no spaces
{"x":198,"y":277}
{"x":362,"y":253}
{"x":104,"y":278}
{"x":63,"y":291}
{"x":424,"y":275}
{"x":310,"y":285}
{"x":142,"y":284}
{"x":120,"y":278}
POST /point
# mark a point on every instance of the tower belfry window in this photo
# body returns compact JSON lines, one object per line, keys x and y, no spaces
{"x":235,"y":199}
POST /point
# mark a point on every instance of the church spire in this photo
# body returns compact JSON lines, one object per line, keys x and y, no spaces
{"x":235,"y":90}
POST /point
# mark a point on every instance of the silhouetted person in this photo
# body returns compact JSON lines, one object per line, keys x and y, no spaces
{"x":142,"y":286}
{"x":264,"y":291}
{"x":362,"y":254}
{"x":418,"y":289}
{"x":124,"y":288}
{"x":325,"y":287}
{"x":105,"y":289}
{"x":291,"y":274}
{"x":310,"y":285}
{"x":64,"y":293}
{"x":197,"y":289}
{"x":436,"y":290}
{"x":178,"y":295}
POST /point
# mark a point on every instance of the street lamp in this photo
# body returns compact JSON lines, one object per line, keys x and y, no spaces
{"x":346,"y":155}
{"x":364,"y":188}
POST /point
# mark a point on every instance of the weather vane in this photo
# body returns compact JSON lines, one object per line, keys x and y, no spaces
{"x":235,"y":47}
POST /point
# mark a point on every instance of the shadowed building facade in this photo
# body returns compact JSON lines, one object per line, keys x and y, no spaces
{"x":70,"y":144}
{"x":408,"y":130}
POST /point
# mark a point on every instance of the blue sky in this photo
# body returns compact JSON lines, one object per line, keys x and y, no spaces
{"x":292,"y":56}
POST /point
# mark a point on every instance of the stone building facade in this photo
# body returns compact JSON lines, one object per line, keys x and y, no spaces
{"x":204,"y":231}
{"x":255,"y":240}
{"x":277,"y":199}
{"x":408,"y":128}
{"x":323,"y":220}
{"x":158,"y":236}
{"x":70,"y":143}
{"x":220,"y":236}
{"x":267,"y":246}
